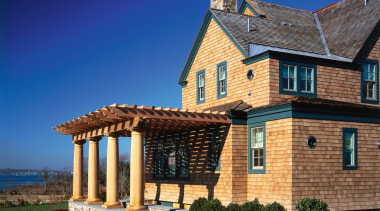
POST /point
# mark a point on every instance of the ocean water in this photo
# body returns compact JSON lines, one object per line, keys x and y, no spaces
{"x":11,"y":181}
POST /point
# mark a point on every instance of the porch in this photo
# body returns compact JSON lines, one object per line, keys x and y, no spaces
{"x":140,"y":124}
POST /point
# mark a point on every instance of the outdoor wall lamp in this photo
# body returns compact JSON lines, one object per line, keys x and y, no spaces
{"x":378,"y":144}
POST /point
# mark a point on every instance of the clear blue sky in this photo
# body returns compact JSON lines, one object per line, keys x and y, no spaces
{"x":60,"y":59}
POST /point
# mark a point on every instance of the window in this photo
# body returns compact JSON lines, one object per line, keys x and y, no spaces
{"x":350,"y":161}
{"x":214,"y":148}
{"x":298,"y":79}
{"x":171,"y":156}
{"x":201,"y":94}
{"x":222,"y":79}
{"x":370,"y":83}
{"x":256,"y":147}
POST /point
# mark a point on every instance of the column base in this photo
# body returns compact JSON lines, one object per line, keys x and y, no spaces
{"x":77,"y":198}
{"x":112,"y":205}
{"x":96,"y":201}
{"x":137,"y":207}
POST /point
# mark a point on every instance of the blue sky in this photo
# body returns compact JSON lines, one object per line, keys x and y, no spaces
{"x":60,"y":59}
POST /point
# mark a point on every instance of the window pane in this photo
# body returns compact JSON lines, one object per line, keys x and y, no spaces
{"x":348,"y":158}
{"x":285,"y":84}
{"x":291,"y":84}
{"x":222,"y":72}
{"x":309,"y":86}
{"x":303,"y":73}
{"x":285,"y":71}
{"x":303,"y":85}
{"x":309,"y":73}
{"x":291,"y":72}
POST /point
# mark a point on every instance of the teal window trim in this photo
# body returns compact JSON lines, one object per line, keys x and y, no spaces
{"x":201,"y":97}
{"x":220,"y":92}
{"x":353,"y":131}
{"x":250,"y":169}
{"x":375,"y":100}
{"x":298,"y":80}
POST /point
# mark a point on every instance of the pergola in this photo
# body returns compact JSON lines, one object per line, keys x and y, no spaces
{"x":126,"y":121}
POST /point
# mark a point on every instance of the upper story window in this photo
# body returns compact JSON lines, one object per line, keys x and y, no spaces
{"x":298,"y":79}
{"x":222,"y":79}
{"x":370,"y":84}
{"x":256,"y":146}
{"x":201,"y":85}
{"x":350,"y":159}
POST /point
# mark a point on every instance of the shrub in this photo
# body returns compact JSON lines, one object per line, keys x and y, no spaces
{"x":252,"y":206}
{"x":8,"y":204}
{"x":198,"y":204}
{"x":274,"y":207}
{"x":103,"y":196}
{"x":311,"y":204}
{"x":233,"y":207}
{"x":214,"y":205}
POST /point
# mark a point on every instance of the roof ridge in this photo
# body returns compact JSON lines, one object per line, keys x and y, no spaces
{"x":282,"y":6}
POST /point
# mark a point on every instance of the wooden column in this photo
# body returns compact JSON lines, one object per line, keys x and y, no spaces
{"x":112,"y":173}
{"x":93,"y":172}
{"x":78,"y":172}
{"x":137,"y":172}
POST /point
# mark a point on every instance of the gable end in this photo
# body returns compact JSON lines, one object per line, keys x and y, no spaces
{"x":245,"y":5}
{"x":182,"y":80}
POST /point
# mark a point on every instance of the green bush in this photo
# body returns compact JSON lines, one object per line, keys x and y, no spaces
{"x":274,"y":207}
{"x":311,"y":204}
{"x":8,"y":204}
{"x":198,"y":204}
{"x":252,"y":206}
{"x":233,"y":207}
{"x":214,"y":205}
{"x":103,"y":196}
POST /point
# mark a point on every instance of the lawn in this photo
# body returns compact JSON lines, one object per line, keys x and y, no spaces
{"x":41,"y":207}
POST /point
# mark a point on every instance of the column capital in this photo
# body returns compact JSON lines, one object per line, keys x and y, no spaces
{"x":137,"y":130}
{"x":80,"y":142}
{"x":94,"y":139}
{"x":113,"y":135}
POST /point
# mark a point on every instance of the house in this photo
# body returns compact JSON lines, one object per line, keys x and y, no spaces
{"x":278,"y":104}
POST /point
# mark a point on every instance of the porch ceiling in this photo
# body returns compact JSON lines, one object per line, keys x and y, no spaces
{"x":154,"y":121}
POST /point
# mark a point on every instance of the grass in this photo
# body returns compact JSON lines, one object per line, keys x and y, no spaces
{"x":41,"y":207}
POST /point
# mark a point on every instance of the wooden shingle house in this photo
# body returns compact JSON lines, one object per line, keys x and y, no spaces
{"x":278,"y":104}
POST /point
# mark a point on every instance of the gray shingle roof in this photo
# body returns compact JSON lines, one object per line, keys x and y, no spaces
{"x":281,"y":13}
{"x":271,"y":32}
{"x":348,"y":24}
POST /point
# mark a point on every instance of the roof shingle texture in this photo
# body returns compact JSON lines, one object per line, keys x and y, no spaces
{"x":348,"y":24}
{"x":272,"y":32}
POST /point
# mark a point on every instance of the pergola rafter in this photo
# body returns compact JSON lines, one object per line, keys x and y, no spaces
{"x":153,"y":120}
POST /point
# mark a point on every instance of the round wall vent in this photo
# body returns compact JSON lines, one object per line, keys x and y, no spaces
{"x":311,"y":142}
{"x":250,"y":74}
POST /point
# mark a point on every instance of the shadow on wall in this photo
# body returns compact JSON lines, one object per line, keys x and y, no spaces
{"x":205,"y":146}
